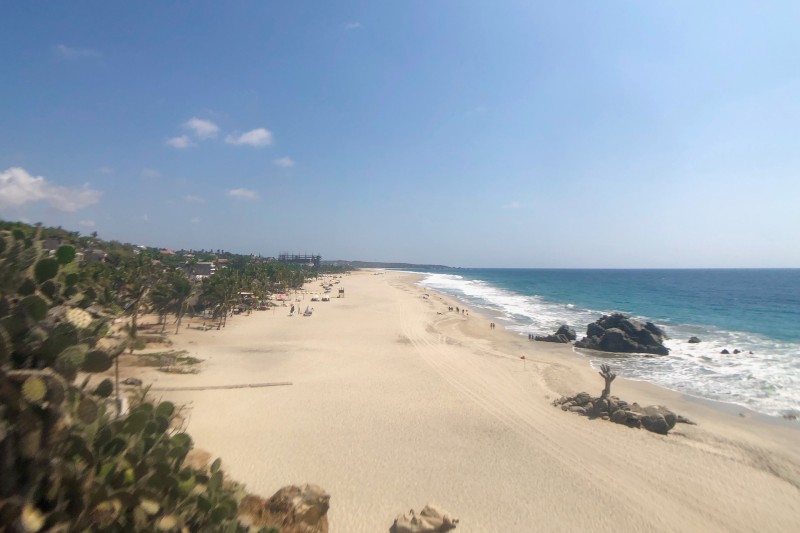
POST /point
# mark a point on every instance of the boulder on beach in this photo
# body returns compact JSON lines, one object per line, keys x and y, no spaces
{"x":429,"y":520}
{"x":725,"y":352}
{"x":694,"y":340}
{"x":620,"y":334}
{"x":292,"y":509}
{"x":564,"y":334}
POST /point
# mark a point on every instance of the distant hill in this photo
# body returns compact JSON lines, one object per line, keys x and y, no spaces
{"x":378,"y":264}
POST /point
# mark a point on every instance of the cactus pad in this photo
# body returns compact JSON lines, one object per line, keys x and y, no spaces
{"x":45,"y":269}
{"x":96,"y":361}
{"x":34,"y":389}
{"x":65,"y":254}
{"x":104,"y":389}
{"x":35,"y":306}
{"x":87,"y":411}
{"x":27,"y":287}
{"x":78,"y":318}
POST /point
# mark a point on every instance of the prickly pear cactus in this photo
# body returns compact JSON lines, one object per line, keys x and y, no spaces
{"x":68,"y":462}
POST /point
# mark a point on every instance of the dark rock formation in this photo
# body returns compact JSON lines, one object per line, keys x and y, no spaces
{"x":725,"y":352}
{"x":620,"y":334}
{"x":429,"y":520}
{"x":655,"y":418}
{"x":568,"y":332}
{"x":292,"y":510}
{"x":563,"y":335}
{"x":694,"y":340}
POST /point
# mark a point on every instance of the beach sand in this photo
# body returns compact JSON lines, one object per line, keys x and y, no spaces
{"x":396,"y":402}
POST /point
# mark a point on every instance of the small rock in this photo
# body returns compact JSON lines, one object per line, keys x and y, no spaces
{"x":577,"y":409}
{"x":132,"y":381}
{"x":619,"y":416}
{"x":694,"y":340}
{"x":737,"y":351}
{"x":429,"y":520}
{"x":725,"y":352}
{"x":583,"y":398}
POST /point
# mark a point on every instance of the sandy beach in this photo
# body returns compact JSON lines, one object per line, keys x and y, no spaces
{"x":395,"y":402}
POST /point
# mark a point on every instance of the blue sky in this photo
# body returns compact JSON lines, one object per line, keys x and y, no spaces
{"x":467,"y":133}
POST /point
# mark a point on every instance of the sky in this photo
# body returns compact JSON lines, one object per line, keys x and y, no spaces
{"x":581,"y":134}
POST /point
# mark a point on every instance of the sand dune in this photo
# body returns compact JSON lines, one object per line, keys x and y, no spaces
{"x":394,"y":405}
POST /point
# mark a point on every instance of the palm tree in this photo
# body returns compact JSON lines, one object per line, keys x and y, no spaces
{"x":182,"y":290}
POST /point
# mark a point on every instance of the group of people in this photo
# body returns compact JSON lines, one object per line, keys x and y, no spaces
{"x":491,"y":325}
{"x":457,"y":310}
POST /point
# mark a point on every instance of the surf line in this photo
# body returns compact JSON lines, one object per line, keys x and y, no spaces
{"x":218,"y":387}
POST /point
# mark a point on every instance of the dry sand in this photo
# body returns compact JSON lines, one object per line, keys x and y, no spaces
{"x":396,"y":403}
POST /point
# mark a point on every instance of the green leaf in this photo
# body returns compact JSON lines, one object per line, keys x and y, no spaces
{"x":215,"y":466}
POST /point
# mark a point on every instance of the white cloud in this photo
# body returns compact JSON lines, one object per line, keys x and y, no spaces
{"x":196,"y":220}
{"x":284,"y":162}
{"x":256,"y":137}
{"x":513,"y":205}
{"x":353,"y":26}
{"x":242,"y":194}
{"x":105,"y":170}
{"x":204,"y":129}
{"x":182,"y":141}
{"x":17,"y":188}
{"x":150,"y":173}
{"x":87,"y":223}
{"x":192,"y":199}
{"x":68,"y":52}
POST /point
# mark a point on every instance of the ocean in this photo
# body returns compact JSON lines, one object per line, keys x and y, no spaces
{"x":752,"y":310}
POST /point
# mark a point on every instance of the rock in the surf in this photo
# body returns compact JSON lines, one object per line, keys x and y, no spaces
{"x":620,"y":334}
{"x":694,"y":340}
{"x":564,"y":334}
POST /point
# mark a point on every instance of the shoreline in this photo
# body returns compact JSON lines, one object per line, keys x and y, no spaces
{"x":724,"y":405}
{"x":396,"y":403}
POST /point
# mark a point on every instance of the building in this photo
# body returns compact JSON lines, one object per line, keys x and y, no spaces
{"x":95,"y":256}
{"x":300,"y":259}
{"x":203,"y":269}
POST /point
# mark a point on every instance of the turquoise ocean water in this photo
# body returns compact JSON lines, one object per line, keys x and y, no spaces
{"x":752,"y":310}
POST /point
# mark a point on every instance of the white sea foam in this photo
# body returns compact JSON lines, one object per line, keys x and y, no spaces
{"x":768,"y":380}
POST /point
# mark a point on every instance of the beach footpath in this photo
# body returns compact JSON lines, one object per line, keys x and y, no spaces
{"x":389,"y":401}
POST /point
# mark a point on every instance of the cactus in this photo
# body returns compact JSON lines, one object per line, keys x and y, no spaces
{"x":104,"y":389}
{"x":45,"y":269}
{"x":65,"y":254}
{"x":66,"y":463}
{"x":78,"y":317}
{"x":28,"y":287}
{"x":35,"y":306}
{"x":34,"y":389}
{"x":96,"y":361}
